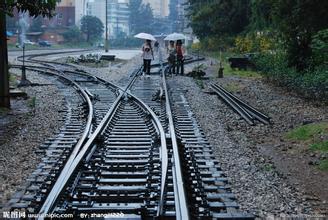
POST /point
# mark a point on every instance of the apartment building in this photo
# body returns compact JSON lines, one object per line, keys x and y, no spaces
{"x":160,"y":7}
{"x":117,"y":14}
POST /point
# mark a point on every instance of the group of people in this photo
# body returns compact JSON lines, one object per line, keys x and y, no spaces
{"x":175,"y":53}
{"x":175,"y":58}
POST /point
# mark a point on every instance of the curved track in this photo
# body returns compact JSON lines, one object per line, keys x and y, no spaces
{"x":144,"y":157}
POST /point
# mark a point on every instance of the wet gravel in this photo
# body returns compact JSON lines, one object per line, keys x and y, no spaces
{"x":249,"y":154}
{"x":31,"y":121}
{"x":246,"y":152}
{"x":28,"y":124}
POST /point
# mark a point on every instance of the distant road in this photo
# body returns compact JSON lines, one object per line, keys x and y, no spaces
{"x":124,"y":54}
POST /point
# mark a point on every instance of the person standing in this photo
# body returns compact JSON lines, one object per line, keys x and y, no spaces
{"x":147,"y":55}
{"x":156,"y":45}
{"x":171,"y":51}
{"x":180,"y":57}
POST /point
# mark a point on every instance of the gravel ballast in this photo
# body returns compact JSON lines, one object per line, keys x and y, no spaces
{"x":266,"y":177}
{"x":243,"y":151}
{"x":32,"y":121}
{"x":28,"y":124}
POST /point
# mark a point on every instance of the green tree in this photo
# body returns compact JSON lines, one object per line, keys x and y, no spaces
{"x":319,"y":46}
{"x":147,"y":18}
{"x":134,"y":19}
{"x":261,"y":15}
{"x":298,"y":21}
{"x":35,"y":8}
{"x":173,"y":15}
{"x":141,"y":17}
{"x":92,"y":27}
{"x":73,"y":34}
{"x":217,"y":18}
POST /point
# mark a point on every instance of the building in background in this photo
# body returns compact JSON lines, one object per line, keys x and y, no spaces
{"x":117,"y":14}
{"x":182,"y":21}
{"x":160,"y":7}
{"x":43,"y":28}
{"x":65,"y":14}
{"x":80,"y":10}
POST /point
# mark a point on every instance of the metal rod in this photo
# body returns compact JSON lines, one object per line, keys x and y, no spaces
{"x":23,"y":68}
{"x":181,"y":205}
{"x":241,"y":111}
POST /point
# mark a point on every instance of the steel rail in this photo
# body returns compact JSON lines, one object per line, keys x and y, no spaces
{"x":62,"y":182}
{"x":84,"y":95}
{"x":53,"y":68}
{"x":156,"y":122}
{"x":70,"y":168}
{"x":181,"y":205}
{"x":234,"y":105}
{"x":256,"y":113}
{"x":88,"y":126}
{"x":164,"y":152}
{"x":29,"y":56}
{"x":64,"y":177}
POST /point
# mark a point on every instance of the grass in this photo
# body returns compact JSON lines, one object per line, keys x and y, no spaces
{"x":200,"y":83}
{"x":32,"y":102}
{"x":308,"y":132}
{"x":268,"y":167}
{"x":12,"y":79}
{"x":232,"y":87}
{"x":312,"y":135}
{"x":320,"y":146}
{"x":323,"y":165}
{"x":228,"y":71}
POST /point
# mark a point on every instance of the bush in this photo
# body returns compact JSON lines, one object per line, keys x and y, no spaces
{"x":211,"y":44}
{"x":312,"y":83}
{"x":319,"y":46}
{"x":254,"y":42}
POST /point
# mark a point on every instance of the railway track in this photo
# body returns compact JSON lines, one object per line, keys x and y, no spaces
{"x":249,"y":113}
{"x":144,"y":157}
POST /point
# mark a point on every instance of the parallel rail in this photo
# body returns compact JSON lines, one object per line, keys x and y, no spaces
{"x":181,"y":204}
{"x":249,"y":113}
{"x":146,"y":158}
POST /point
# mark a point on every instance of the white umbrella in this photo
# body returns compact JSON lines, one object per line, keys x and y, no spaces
{"x":145,"y":36}
{"x":175,"y":36}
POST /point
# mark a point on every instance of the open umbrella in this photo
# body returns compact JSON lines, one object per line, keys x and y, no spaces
{"x":145,"y":36}
{"x":175,"y":36}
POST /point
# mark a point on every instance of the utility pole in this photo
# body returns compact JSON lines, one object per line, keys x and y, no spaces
{"x":4,"y":76}
{"x":24,"y":81}
{"x":106,"y":41}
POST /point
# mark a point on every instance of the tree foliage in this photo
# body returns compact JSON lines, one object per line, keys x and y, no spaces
{"x":73,"y":34}
{"x":92,"y":27}
{"x":221,"y":17}
{"x":34,"y":7}
{"x":293,"y":22}
{"x":298,"y":21}
{"x":173,"y":15}
{"x":141,"y":17}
